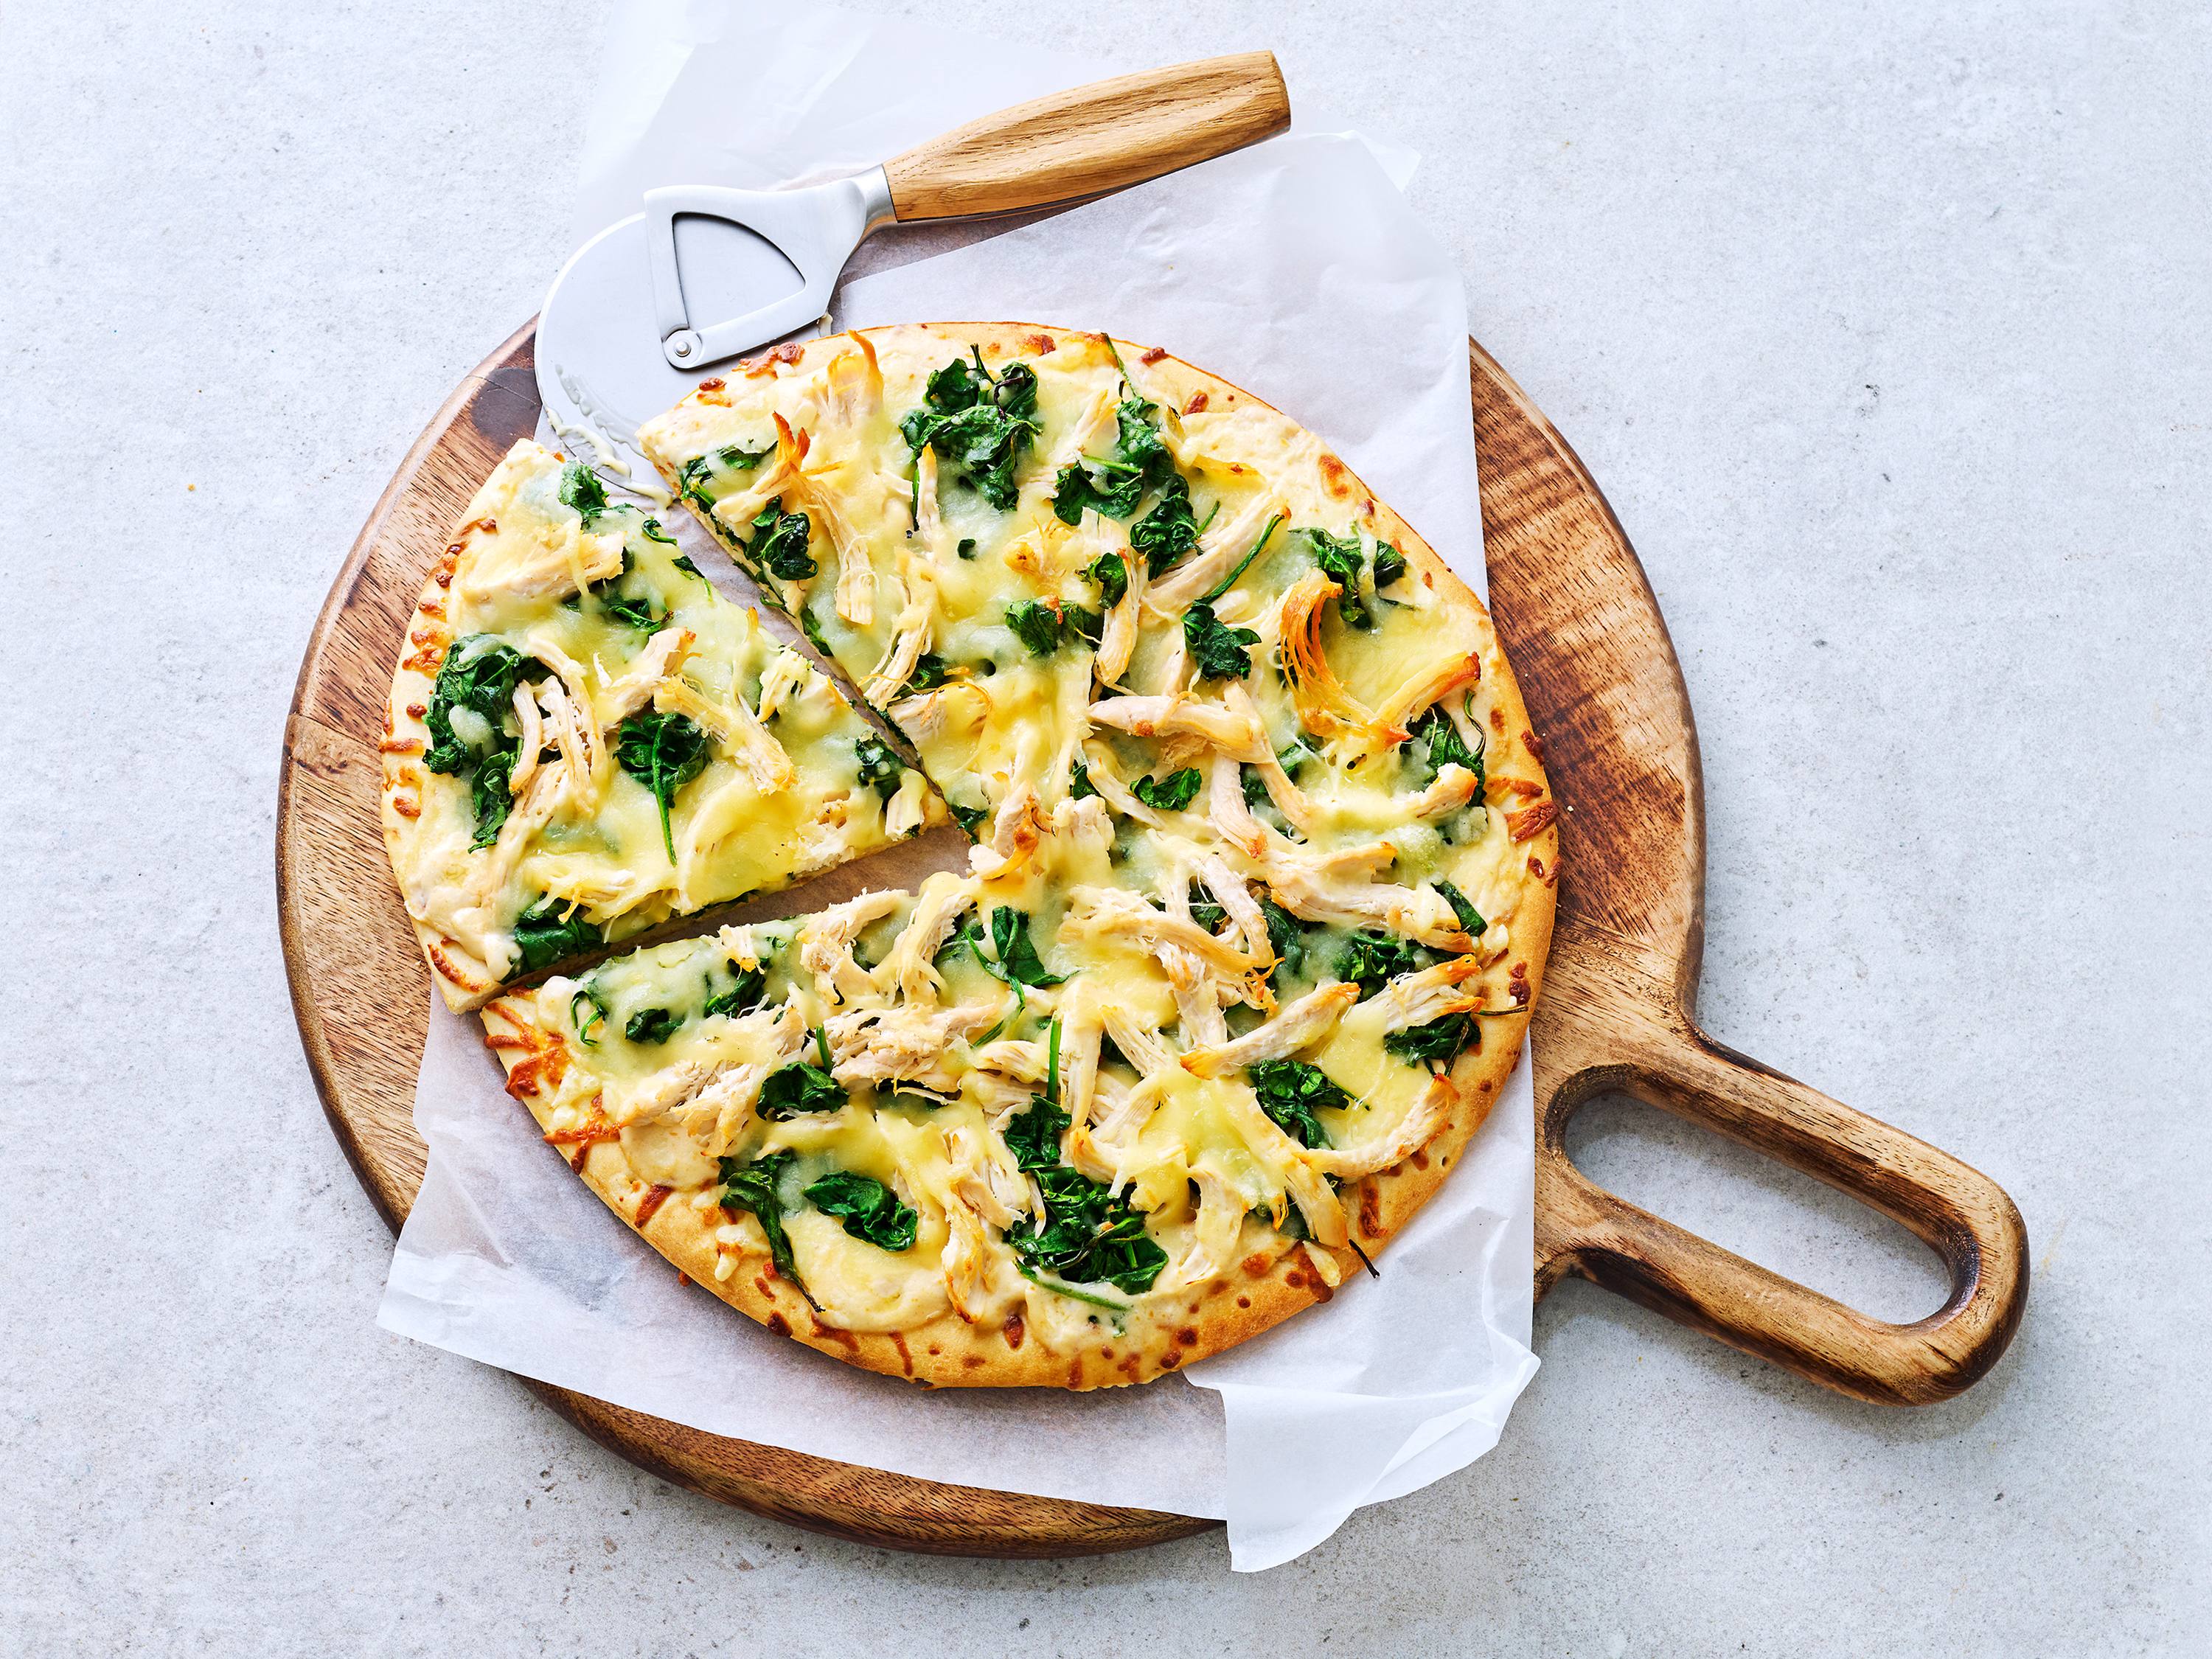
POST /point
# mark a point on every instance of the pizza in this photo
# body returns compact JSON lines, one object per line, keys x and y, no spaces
{"x":585,"y":739}
{"x":1260,"y":889}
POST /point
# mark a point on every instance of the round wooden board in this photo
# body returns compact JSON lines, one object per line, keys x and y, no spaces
{"x":1605,"y":695}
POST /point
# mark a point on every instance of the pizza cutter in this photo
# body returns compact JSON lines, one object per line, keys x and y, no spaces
{"x":647,"y":308}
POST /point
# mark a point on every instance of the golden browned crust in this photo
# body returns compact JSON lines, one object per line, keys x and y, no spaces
{"x":462,"y":978}
{"x":1268,"y":1285}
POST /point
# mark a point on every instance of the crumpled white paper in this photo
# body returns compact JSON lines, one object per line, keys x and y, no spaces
{"x":1296,"y":269}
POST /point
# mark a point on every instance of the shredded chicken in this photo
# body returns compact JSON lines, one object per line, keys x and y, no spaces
{"x":1325,"y":707}
{"x":1289,"y":801}
{"x":736,"y":514}
{"x":1213,"y":1237}
{"x":908,"y":809}
{"x":1216,"y":723}
{"x":531,"y":741}
{"x":784,"y":678}
{"x":663,"y":655}
{"x":1453,"y":788}
{"x":490,"y":870}
{"x":1415,"y":1131}
{"x":825,"y":948}
{"x":922,"y":716}
{"x":1299,"y":1025}
{"x":559,"y":559}
{"x":1197,"y":1005}
{"x":1419,"y":998}
{"x":911,"y":1042}
{"x":1218,"y":551}
{"x":911,"y":637}
{"x":1316,"y":1201}
{"x":1309,"y":887}
{"x":1117,"y":641}
{"x":1410,"y":700}
{"x":908,"y":970}
{"x":575,"y":731}
{"x":1015,"y":832}
{"x":736,"y":728}
{"x":1231,"y":895}
{"x":855,"y":384}
{"x":1099,"y":767}
{"x":1111,"y":912}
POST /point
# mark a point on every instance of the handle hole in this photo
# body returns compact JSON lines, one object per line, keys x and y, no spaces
{"x":1763,"y":1210}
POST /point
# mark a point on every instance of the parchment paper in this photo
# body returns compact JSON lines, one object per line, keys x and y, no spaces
{"x":1296,"y":269}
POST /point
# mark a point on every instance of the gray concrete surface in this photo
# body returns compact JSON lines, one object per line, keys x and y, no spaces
{"x":1885,"y":328}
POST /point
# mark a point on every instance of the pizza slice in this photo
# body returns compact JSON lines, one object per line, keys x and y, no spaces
{"x":979,"y":1134}
{"x":585,"y":739}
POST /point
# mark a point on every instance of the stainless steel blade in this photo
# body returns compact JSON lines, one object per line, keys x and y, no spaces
{"x":647,"y":308}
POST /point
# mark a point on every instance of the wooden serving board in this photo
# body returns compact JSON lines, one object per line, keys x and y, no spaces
{"x":1585,"y":635}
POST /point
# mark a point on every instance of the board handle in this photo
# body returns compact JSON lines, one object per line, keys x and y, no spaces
{"x":1964,"y":1216}
{"x":1089,"y":140}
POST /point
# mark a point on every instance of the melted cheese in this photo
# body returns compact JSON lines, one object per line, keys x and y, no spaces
{"x":523,"y":579}
{"x":938,"y":1046}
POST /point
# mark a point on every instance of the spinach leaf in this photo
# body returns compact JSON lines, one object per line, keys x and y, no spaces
{"x":1079,"y":783}
{"x":1086,"y":1236}
{"x":778,"y":543}
{"x":653,"y":1025}
{"x":754,"y":1187}
{"x":1291,"y":1091}
{"x":1446,"y":747}
{"x":1288,"y":936}
{"x":966,"y":549}
{"x":1389,"y":565}
{"x":870,"y":1210}
{"x":1340,"y":558}
{"x":629,"y":612}
{"x":479,"y":674}
{"x":880,"y":766}
{"x":930,"y":672}
{"x":967,"y":817}
{"x":664,"y":752}
{"x":1018,"y":963}
{"x":588,"y":1011}
{"x":1172,"y":793}
{"x":1114,"y":487}
{"x":1222,"y":653}
{"x":981,"y":422}
{"x":1112,"y":576}
{"x":1463,"y":908}
{"x":1033,"y":1133}
{"x":1166,"y":535}
{"x":582,"y":489}
{"x":545,"y":937}
{"x":1037,"y":625}
{"x":744,"y":994}
{"x":693,"y":476}
{"x":1437,"y":1042}
{"x":682,"y":563}
{"x":1371,"y":960}
{"x":491,"y":795}
{"x":799,"y":1087}
{"x":651,"y":531}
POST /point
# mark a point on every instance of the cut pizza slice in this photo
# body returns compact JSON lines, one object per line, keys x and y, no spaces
{"x":585,"y":739}
{"x":998,"y":1131}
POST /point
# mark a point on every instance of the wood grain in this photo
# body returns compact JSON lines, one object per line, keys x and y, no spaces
{"x":1606,"y":698}
{"x":1088,"y":140}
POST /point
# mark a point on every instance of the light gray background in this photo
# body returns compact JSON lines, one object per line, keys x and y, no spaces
{"x":1885,"y":329}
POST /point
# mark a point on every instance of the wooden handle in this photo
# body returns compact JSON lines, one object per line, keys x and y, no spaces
{"x":1662,"y":1058}
{"x":1092,"y":139}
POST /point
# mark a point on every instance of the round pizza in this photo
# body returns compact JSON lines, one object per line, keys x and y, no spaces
{"x":1260,"y":883}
